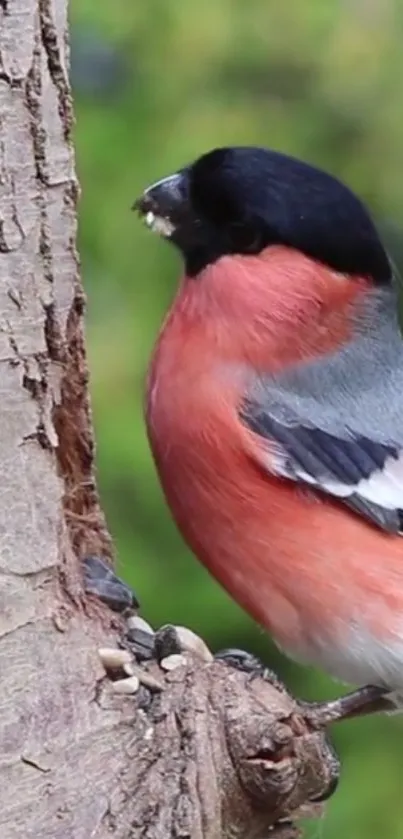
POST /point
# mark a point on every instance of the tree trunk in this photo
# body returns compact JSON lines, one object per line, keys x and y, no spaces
{"x":59,"y":750}
{"x":75,"y":760}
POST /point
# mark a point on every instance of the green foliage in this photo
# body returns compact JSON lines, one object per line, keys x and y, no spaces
{"x":321,"y":80}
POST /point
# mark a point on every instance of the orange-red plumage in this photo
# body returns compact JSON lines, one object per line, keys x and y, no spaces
{"x":281,"y":553}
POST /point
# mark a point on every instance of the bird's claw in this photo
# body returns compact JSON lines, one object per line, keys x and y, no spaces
{"x":241,"y":660}
{"x":249,"y":663}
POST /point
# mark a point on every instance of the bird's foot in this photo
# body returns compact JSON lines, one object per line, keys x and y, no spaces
{"x":241,"y":660}
{"x":370,"y":699}
{"x":249,"y":663}
{"x":101,"y":580}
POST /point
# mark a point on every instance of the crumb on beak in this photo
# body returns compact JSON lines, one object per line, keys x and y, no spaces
{"x":159,"y":224}
{"x":160,"y":204}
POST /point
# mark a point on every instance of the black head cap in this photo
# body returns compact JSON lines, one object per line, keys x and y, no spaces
{"x":241,"y":200}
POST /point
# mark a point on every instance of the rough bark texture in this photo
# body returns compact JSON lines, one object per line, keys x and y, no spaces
{"x":52,"y":733}
{"x":219,"y":754}
{"x":76,"y":762}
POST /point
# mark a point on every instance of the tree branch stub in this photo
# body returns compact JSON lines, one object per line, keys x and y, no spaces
{"x":220,"y":754}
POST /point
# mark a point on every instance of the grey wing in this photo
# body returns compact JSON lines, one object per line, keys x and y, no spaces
{"x":337,"y":423}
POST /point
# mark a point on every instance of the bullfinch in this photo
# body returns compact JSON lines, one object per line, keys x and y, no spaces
{"x":274,"y":408}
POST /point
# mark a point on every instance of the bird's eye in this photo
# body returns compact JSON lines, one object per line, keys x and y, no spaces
{"x":245,"y":237}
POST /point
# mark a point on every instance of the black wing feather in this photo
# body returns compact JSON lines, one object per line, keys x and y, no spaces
{"x":322,"y":459}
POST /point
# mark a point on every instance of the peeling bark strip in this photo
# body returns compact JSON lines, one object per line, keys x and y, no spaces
{"x":57,"y":64}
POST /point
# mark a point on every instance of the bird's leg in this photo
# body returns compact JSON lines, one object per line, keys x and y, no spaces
{"x":370,"y":699}
{"x":101,"y":580}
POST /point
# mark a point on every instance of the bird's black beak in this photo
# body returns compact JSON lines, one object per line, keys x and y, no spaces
{"x":164,"y":204}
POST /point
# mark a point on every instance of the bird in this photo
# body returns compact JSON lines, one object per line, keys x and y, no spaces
{"x":274,"y":408}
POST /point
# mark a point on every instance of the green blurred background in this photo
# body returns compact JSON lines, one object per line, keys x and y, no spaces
{"x":156,"y":83}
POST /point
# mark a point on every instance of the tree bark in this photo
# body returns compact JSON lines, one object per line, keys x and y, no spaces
{"x":77,"y":761}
